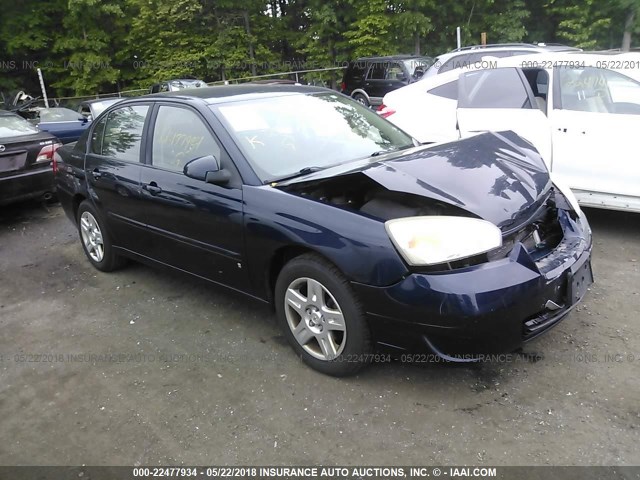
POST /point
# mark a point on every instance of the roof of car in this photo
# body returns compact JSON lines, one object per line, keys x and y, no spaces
{"x":223,"y":93}
{"x":545,"y":60}
{"x":551,"y":47}
{"x":499,"y":47}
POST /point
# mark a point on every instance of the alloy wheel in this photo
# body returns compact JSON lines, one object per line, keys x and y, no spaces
{"x":92,"y":236}
{"x":315,"y":318}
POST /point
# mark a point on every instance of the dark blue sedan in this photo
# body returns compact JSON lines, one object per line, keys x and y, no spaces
{"x":64,"y":123}
{"x":303,"y":198}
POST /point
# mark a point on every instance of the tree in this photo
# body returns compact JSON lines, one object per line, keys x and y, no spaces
{"x":410,"y":19}
{"x":28,"y":48}
{"x":167,"y":39}
{"x":90,"y":37}
{"x":322,"y":43}
{"x":505,"y":20}
{"x":588,"y":25}
{"x":630,"y":8}
{"x":368,"y":34}
{"x":100,"y":46}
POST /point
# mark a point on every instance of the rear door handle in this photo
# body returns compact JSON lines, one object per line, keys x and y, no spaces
{"x":152,"y":188}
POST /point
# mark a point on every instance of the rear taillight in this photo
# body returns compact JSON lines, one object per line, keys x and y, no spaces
{"x":385,"y":111}
{"x":343,"y":87}
{"x":46,"y":152}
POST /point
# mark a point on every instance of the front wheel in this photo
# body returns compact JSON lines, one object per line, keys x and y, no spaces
{"x":95,"y":240}
{"x":321,"y":317}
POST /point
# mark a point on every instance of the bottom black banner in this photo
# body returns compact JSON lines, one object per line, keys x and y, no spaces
{"x":319,"y":472}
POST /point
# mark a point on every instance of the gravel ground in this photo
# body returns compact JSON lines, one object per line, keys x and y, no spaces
{"x":146,"y":367}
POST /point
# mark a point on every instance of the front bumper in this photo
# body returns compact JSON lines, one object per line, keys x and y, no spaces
{"x":26,"y":184}
{"x":490,"y":308}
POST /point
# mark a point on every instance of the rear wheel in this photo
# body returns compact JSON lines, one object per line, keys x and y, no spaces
{"x":95,"y":240}
{"x":360,"y":98}
{"x":321,"y":317}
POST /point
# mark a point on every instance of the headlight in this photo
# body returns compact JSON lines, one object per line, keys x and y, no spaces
{"x":434,"y":240}
{"x":568,"y":194}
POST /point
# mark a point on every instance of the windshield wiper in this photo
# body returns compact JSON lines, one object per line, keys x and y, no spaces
{"x":301,"y":172}
{"x":305,"y":170}
{"x":397,"y":149}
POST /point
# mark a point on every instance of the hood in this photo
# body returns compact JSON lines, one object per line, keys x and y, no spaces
{"x":496,"y":176}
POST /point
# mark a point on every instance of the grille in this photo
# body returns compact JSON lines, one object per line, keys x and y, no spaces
{"x":541,"y":323}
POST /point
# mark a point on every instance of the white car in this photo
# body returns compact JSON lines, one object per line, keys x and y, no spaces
{"x":581,"y":111}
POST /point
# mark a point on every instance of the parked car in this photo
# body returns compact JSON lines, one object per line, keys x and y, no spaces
{"x":64,"y":123}
{"x":90,"y":109}
{"x":26,"y":156}
{"x":305,"y":199}
{"x":580,"y":110}
{"x":368,"y":79}
{"x":177,"y":85}
{"x":474,"y":54}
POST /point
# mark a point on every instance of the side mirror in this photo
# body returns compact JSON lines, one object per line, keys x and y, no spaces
{"x":418,"y":72}
{"x":207,"y":169}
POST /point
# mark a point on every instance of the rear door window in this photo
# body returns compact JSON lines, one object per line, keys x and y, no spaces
{"x":357,"y":71}
{"x":496,"y":88}
{"x":377,"y":71}
{"x":122,"y":137}
{"x":96,"y":136}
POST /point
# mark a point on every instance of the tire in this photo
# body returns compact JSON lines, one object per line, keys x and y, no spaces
{"x":334,"y":340}
{"x":360,"y":98}
{"x":95,"y":239}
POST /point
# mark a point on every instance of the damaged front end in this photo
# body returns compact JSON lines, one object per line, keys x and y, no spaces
{"x":485,"y":303}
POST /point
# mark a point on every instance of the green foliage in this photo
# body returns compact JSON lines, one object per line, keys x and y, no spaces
{"x":506,"y":20}
{"x":368,"y":34}
{"x":583,"y":26}
{"x":411,"y":22}
{"x":100,"y":46}
{"x":92,"y":29}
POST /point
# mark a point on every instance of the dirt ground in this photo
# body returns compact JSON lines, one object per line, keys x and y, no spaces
{"x":147,"y":367}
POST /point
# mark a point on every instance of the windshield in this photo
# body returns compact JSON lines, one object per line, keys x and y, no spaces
{"x":281,"y":136}
{"x":14,"y":126}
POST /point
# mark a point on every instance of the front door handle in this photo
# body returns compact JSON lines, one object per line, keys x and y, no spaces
{"x":152,"y":188}
{"x":96,"y":174}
